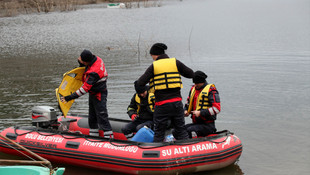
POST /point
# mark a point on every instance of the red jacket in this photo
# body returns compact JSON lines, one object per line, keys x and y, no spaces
{"x":94,"y":80}
{"x":94,"y":77}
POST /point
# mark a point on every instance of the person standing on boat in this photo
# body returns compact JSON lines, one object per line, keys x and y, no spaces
{"x":140,"y":110}
{"x":95,"y":82}
{"x":203,"y":103}
{"x":164,"y":76}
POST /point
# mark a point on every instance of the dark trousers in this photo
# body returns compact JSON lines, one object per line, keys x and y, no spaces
{"x":200,"y":129}
{"x":98,"y":113}
{"x":170,"y":111}
{"x":135,"y":125}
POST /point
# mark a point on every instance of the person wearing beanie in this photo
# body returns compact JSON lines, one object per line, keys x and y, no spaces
{"x":164,"y":77}
{"x":158,"y":49}
{"x":140,"y":111}
{"x":199,"y":77}
{"x":95,"y":82}
{"x":87,"y":56}
{"x":203,"y":104}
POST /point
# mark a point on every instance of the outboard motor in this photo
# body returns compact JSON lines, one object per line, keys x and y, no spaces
{"x":44,"y":116}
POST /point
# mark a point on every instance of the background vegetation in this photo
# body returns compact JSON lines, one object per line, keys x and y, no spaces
{"x":16,"y":7}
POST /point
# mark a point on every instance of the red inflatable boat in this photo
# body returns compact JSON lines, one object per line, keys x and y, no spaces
{"x":74,"y":146}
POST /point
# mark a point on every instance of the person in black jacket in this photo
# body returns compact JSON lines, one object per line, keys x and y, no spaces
{"x":164,"y":76}
{"x":140,"y":110}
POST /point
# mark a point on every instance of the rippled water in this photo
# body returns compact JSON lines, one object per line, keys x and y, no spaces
{"x":256,"y":52}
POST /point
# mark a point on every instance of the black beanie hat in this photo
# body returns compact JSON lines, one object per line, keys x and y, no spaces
{"x":199,"y":77}
{"x":87,"y":56}
{"x":139,"y":89}
{"x":158,"y":49}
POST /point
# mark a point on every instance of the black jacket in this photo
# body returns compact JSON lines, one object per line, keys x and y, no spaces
{"x":145,"y":112}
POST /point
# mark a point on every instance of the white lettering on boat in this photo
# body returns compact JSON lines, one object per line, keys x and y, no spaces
{"x":181,"y":150}
{"x":188,"y":149}
{"x":227,"y":142}
{"x":166,"y":152}
{"x":94,"y":144}
{"x":31,"y":136}
{"x":204,"y":147}
{"x":133,"y":149}
{"x":44,"y":138}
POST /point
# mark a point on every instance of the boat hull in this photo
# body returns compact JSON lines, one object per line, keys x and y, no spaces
{"x":188,"y":156}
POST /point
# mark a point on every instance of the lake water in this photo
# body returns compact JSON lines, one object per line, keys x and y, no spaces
{"x":257,"y":53}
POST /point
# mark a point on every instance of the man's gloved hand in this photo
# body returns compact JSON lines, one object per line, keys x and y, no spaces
{"x":134,"y":116}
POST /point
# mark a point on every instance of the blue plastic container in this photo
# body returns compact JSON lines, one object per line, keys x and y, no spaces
{"x":144,"y":134}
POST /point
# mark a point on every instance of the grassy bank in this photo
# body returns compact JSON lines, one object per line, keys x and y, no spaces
{"x":16,"y":7}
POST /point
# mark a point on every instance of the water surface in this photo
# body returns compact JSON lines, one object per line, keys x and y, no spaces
{"x":256,"y":52}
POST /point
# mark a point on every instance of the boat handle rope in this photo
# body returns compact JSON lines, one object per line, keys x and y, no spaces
{"x":57,"y":133}
{"x":180,"y":142}
{"x":143,"y":145}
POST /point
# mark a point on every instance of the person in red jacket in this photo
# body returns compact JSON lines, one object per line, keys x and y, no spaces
{"x":95,"y":82}
{"x":203,"y":103}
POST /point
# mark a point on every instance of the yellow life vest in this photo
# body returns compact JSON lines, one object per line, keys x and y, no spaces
{"x":151,"y":102}
{"x":166,"y":75}
{"x":202,"y":101}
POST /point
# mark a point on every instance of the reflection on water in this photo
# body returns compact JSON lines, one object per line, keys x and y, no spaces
{"x":258,"y":58}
